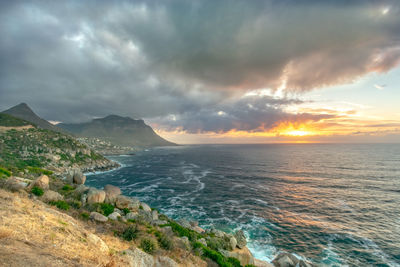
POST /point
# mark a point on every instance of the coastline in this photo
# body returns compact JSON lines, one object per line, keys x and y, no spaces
{"x":253,"y":250}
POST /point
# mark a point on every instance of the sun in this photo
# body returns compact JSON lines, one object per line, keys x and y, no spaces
{"x":297,"y":133}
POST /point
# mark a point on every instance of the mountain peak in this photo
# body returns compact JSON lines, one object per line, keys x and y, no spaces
{"x":23,"y":111}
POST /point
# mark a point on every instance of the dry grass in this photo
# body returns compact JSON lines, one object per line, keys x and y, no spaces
{"x":51,"y":233}
{"x":33,"y":233}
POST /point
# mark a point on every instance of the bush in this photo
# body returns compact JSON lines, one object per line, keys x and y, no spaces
{"x":106,"y":208}
{"x":129,"y":233}
{"x":61,"y":204}
{"x":217,"y":257}
{"x":39,"y":170}
{"x":37,"y":191}
{"x":4,"y":172}
{"x":76,"y":204}
{"x":182,"y":231}
{"x":163,"y":240}
{"x":126,"y":210}
{"x":67,"y":188}
{"x":85,"y":215}
{"x":148,"y":245}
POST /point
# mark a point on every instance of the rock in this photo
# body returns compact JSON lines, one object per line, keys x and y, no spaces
{"x":111,"y":193}
{"x":240,"y":238}
{"x":132,"y":216}
{"x":114,"y":216}
{"x":123,"y":202}
{"x":81,"y":189}
{"x":198,"y":229}
{"x":98,"y":217}
{"x":260,"y":263}
{"x":202,"y":241}
{"x":194,"y":223}
{"x":98,"y":242}
{"x":218,"y":233}
{"x":12,"y":184}
{"x":303,"y":263}
{"x":119,"y":211}
{"x":159,"y":222}
{"x":50,"y":195}
{"x":145,"y":216}
{"x":167,"y":230}
{"x":243,"y":255}
{"x":83,"y":199}
{"x":232,"y":242}
{"x":162,"y":261}
{"x":145,"y":207}
{"x":41,"y":182}
{"x":154,"y":215}
{"x":184,"y":223}
{"x":78,"y":177}
{"x":137,"y":258}
{"x":285,"y":259}
{"x":95,"y":196}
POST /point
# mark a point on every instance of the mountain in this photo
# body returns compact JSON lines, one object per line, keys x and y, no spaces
{"x":23,"y":111}
{"x":122,"y":131}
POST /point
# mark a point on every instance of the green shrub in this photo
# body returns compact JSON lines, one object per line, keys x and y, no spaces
{"x":76,"y":204}
{"x":182,"y":231}
{"x":129,"y":233}
{"x":249,"y":265}
{"x":217,"y":257}
{"x":85,"y":215}
{"x":126,"y":210}
{"x":37,"y":191}
{"x":106,"y":208}
{"x":4,"y":172}
{"x":61,"y":204}
{"x":148,"y":245}
{"x":38,"y":170}
{"x":67,"y":188}
{"x":163,"y":240}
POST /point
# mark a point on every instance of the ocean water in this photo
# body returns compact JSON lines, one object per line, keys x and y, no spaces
{"x":336,"y":204}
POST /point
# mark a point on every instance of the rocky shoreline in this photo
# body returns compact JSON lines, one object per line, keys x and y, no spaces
{"x":212,"y":244}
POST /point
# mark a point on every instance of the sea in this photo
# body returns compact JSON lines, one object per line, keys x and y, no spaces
{"x":333,"y":204}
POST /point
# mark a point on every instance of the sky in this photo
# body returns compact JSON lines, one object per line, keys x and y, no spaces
{"x":210,"y":71}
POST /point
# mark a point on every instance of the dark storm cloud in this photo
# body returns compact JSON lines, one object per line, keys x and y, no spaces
{"x":73,"y":60}
{"x":251,"y":114}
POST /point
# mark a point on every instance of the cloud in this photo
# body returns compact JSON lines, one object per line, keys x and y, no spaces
{"x":250,"y":114}
{"x":188,"y":60}
{"x":380,"y":87}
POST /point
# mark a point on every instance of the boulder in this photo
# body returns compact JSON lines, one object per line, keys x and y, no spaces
{"x":123,"y":202}
{"x":240,"y":238}
{"x":232,"y":243}
{"x":260,"y":263}
{"x":114,"y":216}
{"x":81,"y":189}
{"x":198,"y":229}
{"x":50,"y":195}
{"x":132,"y":216}
{"x":184,"y":223}
{"x":145,"y":216}
{"x":98,"y":217}
{"x":95,"y":196}
{"x":154,"y":215}
{"x":78,"y":177}
{"x":243,"y":255}
{"x":41,"y":182}
{"x":145,"y":207}
{"x":137,"y":258}
{"x":285,"y":259}
{"x":111,"y":193}
{"x":13,"y":185}
{"x":159,"y":222}
{"x":98,"y":242}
